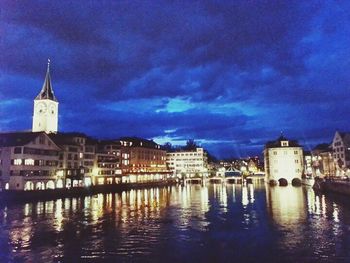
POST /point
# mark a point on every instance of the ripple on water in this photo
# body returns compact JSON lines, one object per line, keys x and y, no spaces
{"x":206,"y":224}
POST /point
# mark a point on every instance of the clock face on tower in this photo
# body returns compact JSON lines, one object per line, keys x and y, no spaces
{"x":41,"y":108}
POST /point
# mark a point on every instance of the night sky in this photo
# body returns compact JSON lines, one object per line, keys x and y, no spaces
{"x":231,"y":75}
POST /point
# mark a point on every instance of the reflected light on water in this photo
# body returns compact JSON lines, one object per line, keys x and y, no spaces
{"x":58,"y":215}
{"x":245,"y":199}
{"x":251,"y":193}
{"x":201,"y":222}
{"x":28,"y":209}
{"x":335,"y":213}
{"x":286,"y":204}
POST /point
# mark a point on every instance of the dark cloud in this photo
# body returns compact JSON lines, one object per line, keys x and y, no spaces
{"x":238,"y":71}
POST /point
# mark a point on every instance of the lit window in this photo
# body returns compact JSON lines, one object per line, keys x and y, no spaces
{"x":284,"y":143}
{"x":28,"y":162}
{"x":17,"y":162}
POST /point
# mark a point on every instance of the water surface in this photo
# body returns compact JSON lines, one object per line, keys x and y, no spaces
{"x":192,"y":223}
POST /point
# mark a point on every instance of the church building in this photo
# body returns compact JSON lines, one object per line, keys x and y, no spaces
{"x":45,"y":116}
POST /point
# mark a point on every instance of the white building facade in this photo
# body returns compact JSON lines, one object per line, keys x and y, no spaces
{"x":283,"y":161}
{"x":341,"y":149}
{"x":28,"y":161}
{"x":188,"y":164}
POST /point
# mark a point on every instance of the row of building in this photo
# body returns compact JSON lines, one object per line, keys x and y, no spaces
{"x":287,"y":161}
{"x":40,"y":160}
{"x":47,"y":159}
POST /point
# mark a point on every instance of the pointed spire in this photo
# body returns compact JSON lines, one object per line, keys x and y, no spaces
{"x":47,"y":91}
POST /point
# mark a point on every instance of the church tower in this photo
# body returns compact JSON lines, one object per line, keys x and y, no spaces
{"x":45,"y":117}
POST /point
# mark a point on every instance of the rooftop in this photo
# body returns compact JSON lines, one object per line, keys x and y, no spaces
{"x":9,"y":139}
{"x":277,"y":143}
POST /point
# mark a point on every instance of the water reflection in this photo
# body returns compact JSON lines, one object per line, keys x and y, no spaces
{"x":286,"y":204}
{"x":206,"y":223}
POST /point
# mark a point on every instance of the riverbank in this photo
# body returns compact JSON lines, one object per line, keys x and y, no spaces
{"x":332,"y":186}
{"x":52,"y":194}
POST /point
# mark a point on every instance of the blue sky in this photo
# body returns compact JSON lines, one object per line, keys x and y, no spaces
{"x":229,"y":74}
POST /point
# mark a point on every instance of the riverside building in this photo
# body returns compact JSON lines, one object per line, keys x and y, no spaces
{"x":142,"y":160}
{"x":188,"y":164}
{"x":283,"y":161}
{"x":76,"y":159}
{"x":108,"y":162}
{"x":48,"y":159}
{"x":323,"y":162}
{"x":341,"y":149}
{"x":28,"y":161}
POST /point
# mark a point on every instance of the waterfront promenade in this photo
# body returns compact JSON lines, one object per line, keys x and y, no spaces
{"x":52,"y":194}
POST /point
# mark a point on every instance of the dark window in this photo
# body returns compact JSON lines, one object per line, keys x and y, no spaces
{"x":28,"y":150}
{"x":42,"y":140}
{"x":17,"y":150}
{"x":72,"y":149}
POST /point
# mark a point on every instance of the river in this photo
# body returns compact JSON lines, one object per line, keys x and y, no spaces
{"x":191,"y":223}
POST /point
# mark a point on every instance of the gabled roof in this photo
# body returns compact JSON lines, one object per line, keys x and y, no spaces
{"x":18,"y":138}
{"x":67,"y":138}
{"x":277,"y":143}
{"x":61,"y":138}
{"x":47,"y":91}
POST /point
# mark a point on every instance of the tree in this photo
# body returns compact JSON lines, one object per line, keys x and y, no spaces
{"x":211,"y":158}
{"x":168,"y":147}
{"x":190,"y":145}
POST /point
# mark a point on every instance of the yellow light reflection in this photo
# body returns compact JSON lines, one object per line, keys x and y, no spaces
{"x":245,"y":199}
{"x":58,"y":223}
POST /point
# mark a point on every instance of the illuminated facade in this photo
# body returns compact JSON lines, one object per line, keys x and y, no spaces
{"x":46,"y":159}
{"x":45,"y":115}
{"x":323,"y":162}
{"x":283,"y":161}
{"x":188,"y":163}
{"x":142,"y":160}
{"x":341,"y":149}
{"x":76,"y":159}
{"x":28,"y":161}
{"x":108,"y":163}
